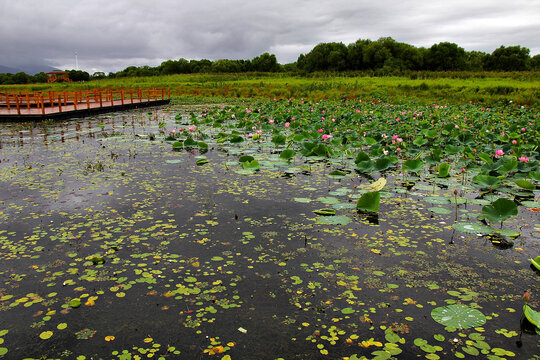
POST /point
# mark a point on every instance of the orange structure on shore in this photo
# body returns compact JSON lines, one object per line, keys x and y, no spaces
{"x":57,"y":76}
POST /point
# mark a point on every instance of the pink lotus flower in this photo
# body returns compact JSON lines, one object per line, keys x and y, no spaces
{"x":524,"y":159}
{"x":191,"y":128}
{"x":320,"y":130}
{"x":523,"y":129}
{"x":325,"y":136}
{"x":398,"y":149}
{"x":514,"y":142}
{"x":287,"y":124}
{"x":271,"y":121}
{"x":499,"y":152}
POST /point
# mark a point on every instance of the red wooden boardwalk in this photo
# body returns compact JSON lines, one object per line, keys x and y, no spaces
{"x":49,"y":105}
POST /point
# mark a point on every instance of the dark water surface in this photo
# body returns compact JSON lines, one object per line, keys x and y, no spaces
{"x":171,"y":260}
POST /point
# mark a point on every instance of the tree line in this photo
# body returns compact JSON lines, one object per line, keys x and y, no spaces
{"x":384,"y":56}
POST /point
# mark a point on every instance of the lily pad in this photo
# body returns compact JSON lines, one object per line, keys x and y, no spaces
{"x":334,"y":220}
{"x":440,"y":210}
{"x":473,"y":228}
{"x":525,"y":184}
{"x":458,"y":316}
{"x":325,"y":212}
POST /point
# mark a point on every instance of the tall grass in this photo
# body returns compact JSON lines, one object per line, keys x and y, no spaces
{"x":422,"y":87}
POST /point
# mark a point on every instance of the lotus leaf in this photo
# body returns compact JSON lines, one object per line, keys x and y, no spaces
{"x":458,"y":316}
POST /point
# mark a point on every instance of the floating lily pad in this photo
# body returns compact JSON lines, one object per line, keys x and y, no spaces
{"x":531,"y":204}
{"x":525,"y":184}
{"x":438,"y":200}
{"x":337,"y":174}
{"x":458,"y":316}
{"x":328,"y":200}
{"x":440,"y":210}
{"x":334,"y":220}
{"x":302,"y":200}
{"x":325,"y":212}
{"x":473,"y":228}
{"x":174,"y":161}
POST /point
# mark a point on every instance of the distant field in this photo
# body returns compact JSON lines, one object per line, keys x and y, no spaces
{"x":444,"y":88}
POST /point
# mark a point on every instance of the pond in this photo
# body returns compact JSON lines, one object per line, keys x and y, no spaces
{"x":142,"y":235}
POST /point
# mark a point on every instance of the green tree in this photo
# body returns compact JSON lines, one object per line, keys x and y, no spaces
{"x":78,"y":75}
{"x":445,"y":56}
{"x":355,"y":54}
{"x":475,"y":60}
{"x":535,"y":62}
{"x":200,"y":66}
{"x":512,"y":58}
{"x":265,"y":63}
{"x":325,"y":56}
{"x":20,"y":78}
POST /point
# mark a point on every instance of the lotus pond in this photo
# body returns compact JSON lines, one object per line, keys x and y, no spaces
{"x":272,"y":230}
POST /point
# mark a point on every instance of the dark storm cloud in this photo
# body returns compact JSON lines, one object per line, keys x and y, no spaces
{"x":111,"y":35}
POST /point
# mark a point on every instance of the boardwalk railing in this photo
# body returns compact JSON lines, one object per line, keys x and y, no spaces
{"x":59,"y":101}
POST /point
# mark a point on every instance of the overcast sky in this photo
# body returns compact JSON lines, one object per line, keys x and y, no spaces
{"x":109,"y":35}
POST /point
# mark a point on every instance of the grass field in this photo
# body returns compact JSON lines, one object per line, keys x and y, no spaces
{"x":444,"y":88}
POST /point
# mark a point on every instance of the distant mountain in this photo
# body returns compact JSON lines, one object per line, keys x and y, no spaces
{"x":30,"y":69}
{"x":7,"y":69}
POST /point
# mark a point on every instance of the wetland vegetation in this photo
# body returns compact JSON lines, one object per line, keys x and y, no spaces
{"x":272,"y":229}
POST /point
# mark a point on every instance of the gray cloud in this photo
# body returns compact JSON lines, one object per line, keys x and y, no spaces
{"x":111,"y":35}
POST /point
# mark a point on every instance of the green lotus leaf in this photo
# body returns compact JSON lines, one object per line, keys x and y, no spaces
{"x":525,"y":184}
{"x":287,"y":154}
{"x":325,"y":212}
{"x":245,"y":158}
{"x":444,"y":169}
{"x":532,"y":315}
{"x":369,"y":201}
{"x":501,"y":210}
{"x":487,"y":181}
{"x":458,"y":316}
{"x":413,"y":165}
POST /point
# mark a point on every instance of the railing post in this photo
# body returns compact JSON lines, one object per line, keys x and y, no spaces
{"x":7,"y":100}
{"x":17,"y":104}
{"x":148,"y":95}
{"x":42,"y":105}
{"x":100,"y":100}
{"x":59,"y":103}
{"x":27,"y":100}
{"x":122,"y":94}
{"x":131,"y":95}
{"x":88,"y":99}
{"x":75,"y":100}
